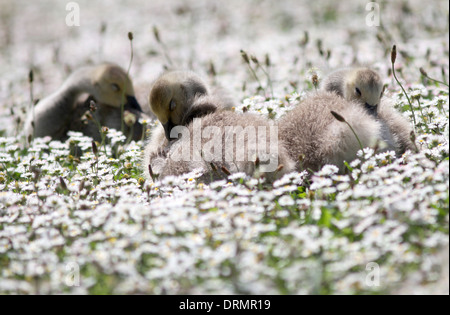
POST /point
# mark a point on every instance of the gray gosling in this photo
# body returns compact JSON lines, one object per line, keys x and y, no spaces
{"x":364,"y":86}
{"x":229,"y":143}
{"x":177,"y":98}
{"x":106,"y":84}
{"x":172,"y":96}
{"x":314,"y":138}
{"x":361,"y":85}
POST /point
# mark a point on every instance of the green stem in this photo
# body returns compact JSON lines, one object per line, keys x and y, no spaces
{"x":268,"y":78}
{"x":339,"y":118}
{"x":406,"y":94}
{"x":33,"y":110}
{"x":166,"y":54}
{"x":122,"y":104}
{"x":100,"y":131}
{"x":437,"y":81}
{"x":132,"y":57}
{"x":5,"y":167}
{"x":122,"y":110}
{"x":144,"y":131}
{"x":421,"y":113}
{"x":356,"y":136}
{"x":130,"y":135}
{"x":256,"y":77}
{"x":103,"y":145}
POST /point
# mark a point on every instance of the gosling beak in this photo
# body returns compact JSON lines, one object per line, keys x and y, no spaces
{"x":372,"y":109}
{"x":133,"y":103}
{"x":168,"y":128}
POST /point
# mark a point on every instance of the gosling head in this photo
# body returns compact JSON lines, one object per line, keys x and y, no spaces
{"x":113,"y":87}
{"x":365,"y":87}
{"x":172,"y":96}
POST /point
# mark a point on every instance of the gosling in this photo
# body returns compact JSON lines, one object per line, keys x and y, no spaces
{"x":107,"y":84}
{"x":173,"y":95}
{"x":365,"y":87}
{"x":361,"y":85}
{"x":259,"y":150}
{"x":314,"y":138}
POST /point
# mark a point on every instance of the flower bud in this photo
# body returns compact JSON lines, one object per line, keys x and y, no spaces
{"x":337,"y":116}
{"x":394,"y":54}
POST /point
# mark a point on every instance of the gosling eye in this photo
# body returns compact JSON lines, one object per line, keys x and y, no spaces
{"x":358,"y":91}
{"x":172,"y":105}
{"x":115,"y":87}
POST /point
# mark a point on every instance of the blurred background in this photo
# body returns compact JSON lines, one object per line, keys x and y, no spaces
{"x":299,"y":37}
{"x":292,"y":39}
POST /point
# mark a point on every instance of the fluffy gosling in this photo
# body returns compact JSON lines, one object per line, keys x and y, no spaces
{"x":107,"y":84}
{"x":314,"y":138}
{"x":217,"y":155}
{"x":361,"y":85}
{"x":173,"y":95}
{"x":364,"y":86}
